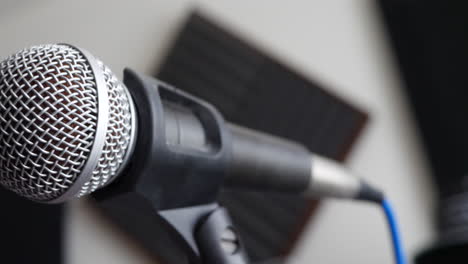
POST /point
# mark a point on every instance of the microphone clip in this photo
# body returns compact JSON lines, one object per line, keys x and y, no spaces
{"x":171,"y":183}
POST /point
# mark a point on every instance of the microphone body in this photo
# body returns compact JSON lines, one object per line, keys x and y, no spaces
{"x":269,"y":163}
{"x":265,"y":162}
{"x":251,"y":160}
{"x":256,"y":160}
{"x":262,"y":162}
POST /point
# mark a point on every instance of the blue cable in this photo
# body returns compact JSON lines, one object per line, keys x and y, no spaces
{"x":400,"y":257}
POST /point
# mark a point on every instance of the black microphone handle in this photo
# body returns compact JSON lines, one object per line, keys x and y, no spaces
{"x":261,"y":161}
{"x":258,"y":161}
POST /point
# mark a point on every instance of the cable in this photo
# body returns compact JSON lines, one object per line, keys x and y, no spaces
{"x":400,"y":257}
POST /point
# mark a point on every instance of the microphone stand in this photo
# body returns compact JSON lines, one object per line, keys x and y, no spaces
{"x":200,"y":234}
{"x":209,"y":232}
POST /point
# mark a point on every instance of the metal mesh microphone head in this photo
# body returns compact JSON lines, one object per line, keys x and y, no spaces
{"x":67,"y":124}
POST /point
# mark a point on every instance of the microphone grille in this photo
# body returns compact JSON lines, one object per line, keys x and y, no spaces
{"x":51,"y":119}
{"x":119,"y":133}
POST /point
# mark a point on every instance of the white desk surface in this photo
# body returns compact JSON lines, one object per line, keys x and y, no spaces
{"x":340,"y":43}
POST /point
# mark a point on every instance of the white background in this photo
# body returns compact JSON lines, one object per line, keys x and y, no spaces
{"x":339,"y":43}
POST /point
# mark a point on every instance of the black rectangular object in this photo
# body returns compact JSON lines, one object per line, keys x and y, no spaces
{"x":430,"y":41}
{"x":32,"y":232}
{"x":256,"y":91}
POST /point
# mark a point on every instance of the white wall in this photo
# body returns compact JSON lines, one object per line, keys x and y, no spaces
{"x":337,"y":42}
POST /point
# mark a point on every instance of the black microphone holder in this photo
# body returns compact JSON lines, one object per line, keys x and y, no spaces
{"x":172,"y":182}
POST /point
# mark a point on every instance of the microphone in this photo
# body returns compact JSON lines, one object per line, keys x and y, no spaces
{"x":69,"y":127}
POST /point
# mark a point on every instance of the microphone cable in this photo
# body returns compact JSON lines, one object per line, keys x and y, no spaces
{"x":398,"y":250}
{"x":371,"y":194}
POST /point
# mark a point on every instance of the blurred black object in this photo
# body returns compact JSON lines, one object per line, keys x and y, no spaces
{"x":32,"y":232}
{"x":254,"y":90}
{"x":431,"y":43}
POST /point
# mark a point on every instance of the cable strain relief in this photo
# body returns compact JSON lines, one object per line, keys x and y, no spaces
{"x":369,"y":193}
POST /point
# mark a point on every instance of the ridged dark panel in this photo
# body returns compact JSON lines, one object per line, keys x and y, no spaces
{"x":252,"y":89}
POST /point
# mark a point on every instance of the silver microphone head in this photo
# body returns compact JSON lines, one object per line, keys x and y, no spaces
{"x":67,"y":124}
